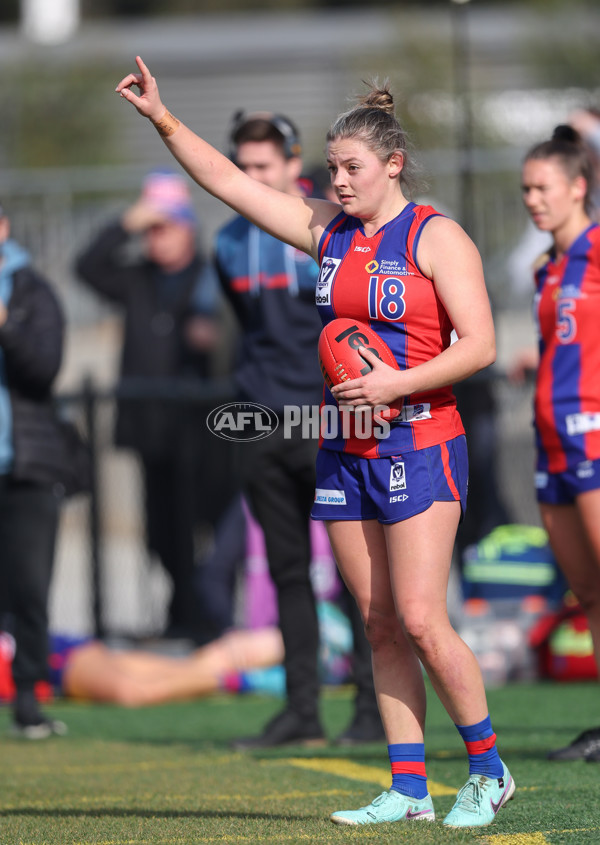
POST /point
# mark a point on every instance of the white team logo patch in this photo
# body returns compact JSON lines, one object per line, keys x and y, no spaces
{"x":326,"y":276}
{"x":330,"y":497}
{"x":397,"y":477}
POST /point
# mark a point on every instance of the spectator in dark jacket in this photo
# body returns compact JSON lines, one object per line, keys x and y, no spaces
{"x":169,"y":299}
{"x":31,"y":339}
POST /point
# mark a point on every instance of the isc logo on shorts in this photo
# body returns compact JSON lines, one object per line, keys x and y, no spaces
{"x":585,"y":469}
{"x":397,"y":476}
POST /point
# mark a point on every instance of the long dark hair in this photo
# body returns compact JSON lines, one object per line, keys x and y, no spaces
{"x":574,"y":156}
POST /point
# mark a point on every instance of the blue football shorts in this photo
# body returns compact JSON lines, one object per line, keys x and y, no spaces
{"x":61,"y":645}
{"x":562,"y":488}
{"x":393,"y":488}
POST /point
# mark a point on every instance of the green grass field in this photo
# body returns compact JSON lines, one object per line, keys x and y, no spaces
{"x":165,"y":775}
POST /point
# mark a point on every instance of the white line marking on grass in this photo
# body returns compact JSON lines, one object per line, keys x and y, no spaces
{"x":357,"y":771}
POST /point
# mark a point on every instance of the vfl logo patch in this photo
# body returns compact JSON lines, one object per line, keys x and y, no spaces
{"x":397,"y":476}
{"x":326,"y":276}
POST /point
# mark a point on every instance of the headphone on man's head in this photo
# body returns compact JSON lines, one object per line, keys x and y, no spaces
{"x":291,"y":137}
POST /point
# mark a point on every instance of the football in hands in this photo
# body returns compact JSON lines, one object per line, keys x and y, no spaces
{"x":340,"y":360}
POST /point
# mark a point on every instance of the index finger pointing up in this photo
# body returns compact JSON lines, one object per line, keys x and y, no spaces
{"x":146,"y":75}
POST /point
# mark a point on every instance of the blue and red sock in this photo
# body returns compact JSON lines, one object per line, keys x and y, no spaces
{"x":480,"y":741}
{"x":407,"y":760}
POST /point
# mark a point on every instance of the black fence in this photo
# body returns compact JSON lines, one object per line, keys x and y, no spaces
{"x":107,"y":582}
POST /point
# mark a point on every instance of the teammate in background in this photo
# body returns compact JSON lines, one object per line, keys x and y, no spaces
{"x":91,"y":671}
{"x":271,"y":287}
{"x":557,"y":185}
{"x":585,"y":121}
{"x":414,"y":275}
{"x":169,"y":299}
{"x":239,"y":661}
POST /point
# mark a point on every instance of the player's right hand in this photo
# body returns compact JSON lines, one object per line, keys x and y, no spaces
{"x":148,"y":103}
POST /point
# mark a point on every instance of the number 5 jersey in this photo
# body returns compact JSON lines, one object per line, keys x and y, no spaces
{"x":567,"y":312}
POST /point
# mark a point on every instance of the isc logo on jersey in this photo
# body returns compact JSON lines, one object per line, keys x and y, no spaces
{"x":326,"y":276}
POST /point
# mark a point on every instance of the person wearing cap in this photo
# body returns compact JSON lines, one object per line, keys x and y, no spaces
{"x":271,"y":288}
{"x":31,"y":346}
{"x":170,"y":303}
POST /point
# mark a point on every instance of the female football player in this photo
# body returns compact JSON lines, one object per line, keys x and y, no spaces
{"x":414,"y":276}
{"x":558,"y":184}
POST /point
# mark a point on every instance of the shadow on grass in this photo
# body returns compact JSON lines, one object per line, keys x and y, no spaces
{"x":372,"y":754}
{"x":114,"y":812}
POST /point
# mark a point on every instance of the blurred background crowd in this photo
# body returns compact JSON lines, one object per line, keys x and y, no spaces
{"x":477,"y":83}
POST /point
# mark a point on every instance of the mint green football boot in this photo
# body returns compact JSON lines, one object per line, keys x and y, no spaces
{"x":390,"y":806}
{"x":480,"y":799}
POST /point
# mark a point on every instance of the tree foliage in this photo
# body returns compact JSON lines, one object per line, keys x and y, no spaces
{"x":59,"y":117}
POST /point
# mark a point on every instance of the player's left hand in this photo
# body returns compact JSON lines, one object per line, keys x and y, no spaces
{"x":379,"y":387}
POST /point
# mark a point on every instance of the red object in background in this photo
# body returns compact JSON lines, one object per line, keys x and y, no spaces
{"x":7,"y":651}
{"x":563,"y":644}
{"x":43,"y":690}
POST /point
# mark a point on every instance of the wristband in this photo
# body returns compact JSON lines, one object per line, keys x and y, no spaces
{"x":167,"y":124}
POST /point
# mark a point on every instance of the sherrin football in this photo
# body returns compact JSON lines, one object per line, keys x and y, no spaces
{"x":340,"y":360}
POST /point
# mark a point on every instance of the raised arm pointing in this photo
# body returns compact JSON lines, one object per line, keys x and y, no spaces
{"x":298,"y":221}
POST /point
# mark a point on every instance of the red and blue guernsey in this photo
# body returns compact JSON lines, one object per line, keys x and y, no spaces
{"x":567,"y":400}
{"x":377,"y":280}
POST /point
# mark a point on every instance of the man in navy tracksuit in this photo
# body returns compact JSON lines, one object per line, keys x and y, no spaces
{"x":271,"y":287}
